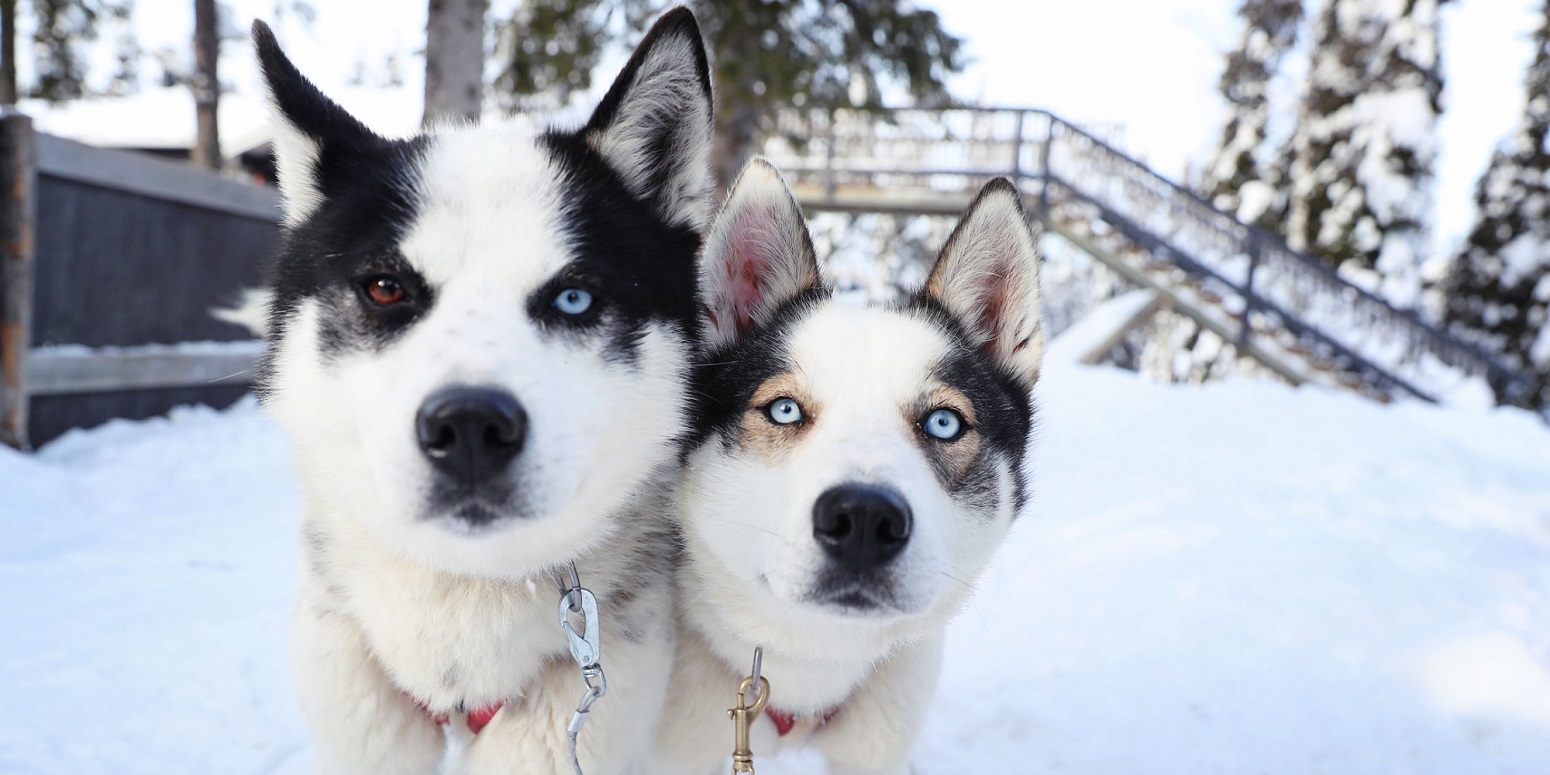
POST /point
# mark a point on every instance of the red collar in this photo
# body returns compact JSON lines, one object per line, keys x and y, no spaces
{"x":785,"y":722}
{"x":477,"y":719}
{"x":480,"y":717}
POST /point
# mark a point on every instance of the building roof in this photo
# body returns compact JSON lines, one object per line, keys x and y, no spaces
{"x":163,"y":118}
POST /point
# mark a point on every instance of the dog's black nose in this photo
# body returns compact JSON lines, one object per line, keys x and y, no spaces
{"x":471,"y":433}
{"x":861,"y":526}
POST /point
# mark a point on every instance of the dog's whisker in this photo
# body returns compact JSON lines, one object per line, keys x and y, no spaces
{"x":752,"y":526}
{"x":970,"y":600}
{"x":951,"y":577}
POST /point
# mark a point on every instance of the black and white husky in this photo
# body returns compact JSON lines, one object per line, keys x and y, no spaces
{"x":853,"y":470}
{"x":480,"y":348}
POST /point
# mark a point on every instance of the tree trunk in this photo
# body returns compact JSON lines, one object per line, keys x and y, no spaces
{"x":8,"y":93}
{"x":454,"y":60}
{"x":207,"y":87}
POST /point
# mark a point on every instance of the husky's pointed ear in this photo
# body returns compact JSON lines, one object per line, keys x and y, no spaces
{"x":988,"y":278}
{"x":654,"y":125}
{"x":309,"y":128}
{"x":757,"y":257}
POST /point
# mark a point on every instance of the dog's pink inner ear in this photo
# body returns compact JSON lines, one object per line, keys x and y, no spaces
{"x":756,"y":257}
{"x":988,"y":283}
{"x":749,"y":263}
{"x":748,"y":268}
{"x":999,"y":318}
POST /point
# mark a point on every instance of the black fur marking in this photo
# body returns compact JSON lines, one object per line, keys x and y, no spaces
{"x":663,"y":157}
{"x":477,"y":507}
{"x":853,"y":591}
{"x":1002,"y":407}
{"x":678,"y":22}
{"x":639,"y":269}
{"x":367,"y":184}
{"x":300,"y":101}
{"x":977,"y":489}
{"x":622,"y":603}
{"x":724,"y":381}
{"x":354,"y":233}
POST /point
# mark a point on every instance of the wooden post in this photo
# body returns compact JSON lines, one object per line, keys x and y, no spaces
{"x":1250,"y":301}
{"x":18,"y":214}
{"x":1017,"y":151}
{"x":829,"y":188}
{"x":207,"y":87}
{"x":1044,"y":170}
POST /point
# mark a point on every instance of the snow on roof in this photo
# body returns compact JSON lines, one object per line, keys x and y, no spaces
{"x":163,"y":118}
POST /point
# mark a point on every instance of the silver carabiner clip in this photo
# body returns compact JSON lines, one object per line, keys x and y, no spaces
{"x":586,"y":647}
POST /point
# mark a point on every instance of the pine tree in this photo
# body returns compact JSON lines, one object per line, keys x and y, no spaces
{"x":1364,"y":146}
{"x":765,"y":55}
{"x":1497,"y":291}
{"x":62,"y":27}
{"x":1245,"y":177}
{"x":59,"y":30}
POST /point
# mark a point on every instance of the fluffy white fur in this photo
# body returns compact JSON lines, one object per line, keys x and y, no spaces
{"x":296,"y":157}
{"x":747,"y":523}
{"x":251,"y":311}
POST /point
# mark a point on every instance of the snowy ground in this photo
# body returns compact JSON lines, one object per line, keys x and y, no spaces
{"x":1242,"y":578}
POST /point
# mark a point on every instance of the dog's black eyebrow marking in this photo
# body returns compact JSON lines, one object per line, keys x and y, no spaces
{"x":643,"y":268}
{"x":1003,"y":417}
{"x":723,"y":381}
{"x":356,"y":228}
{"x":1003,"y":408}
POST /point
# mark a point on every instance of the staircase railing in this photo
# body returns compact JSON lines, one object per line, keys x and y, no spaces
{"x":1062,"y":165}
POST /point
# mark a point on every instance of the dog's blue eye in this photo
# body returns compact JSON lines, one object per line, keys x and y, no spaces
{"x":573,"y":301}
{"x":784,"y":411}
{"x":944,"y":424}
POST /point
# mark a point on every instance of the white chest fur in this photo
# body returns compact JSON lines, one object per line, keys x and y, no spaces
{"x":447,"y":640}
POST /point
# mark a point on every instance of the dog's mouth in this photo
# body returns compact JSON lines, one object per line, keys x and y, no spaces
{"x":857,"y":597}
{"x":473,"y":510}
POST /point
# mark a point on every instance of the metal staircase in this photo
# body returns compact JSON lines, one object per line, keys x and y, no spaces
{"x":1280,"y":307}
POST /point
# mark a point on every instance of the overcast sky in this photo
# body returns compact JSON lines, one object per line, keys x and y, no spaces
{"x":1150,"y":65}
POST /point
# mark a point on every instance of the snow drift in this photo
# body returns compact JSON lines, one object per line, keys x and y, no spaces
{"x":1236,"y":578}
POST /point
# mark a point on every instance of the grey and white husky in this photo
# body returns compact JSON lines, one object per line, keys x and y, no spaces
{"x":480,"y":342}
{"x":851,"y":472}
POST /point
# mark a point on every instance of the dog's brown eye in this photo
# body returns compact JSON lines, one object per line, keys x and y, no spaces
{"x":384,"y":290}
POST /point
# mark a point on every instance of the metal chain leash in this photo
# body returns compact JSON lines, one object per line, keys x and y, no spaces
{"x":586,"y":647}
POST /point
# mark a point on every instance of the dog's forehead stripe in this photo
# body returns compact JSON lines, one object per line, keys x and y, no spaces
{"x":879,"y":356}
{"x":490,"y":210}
